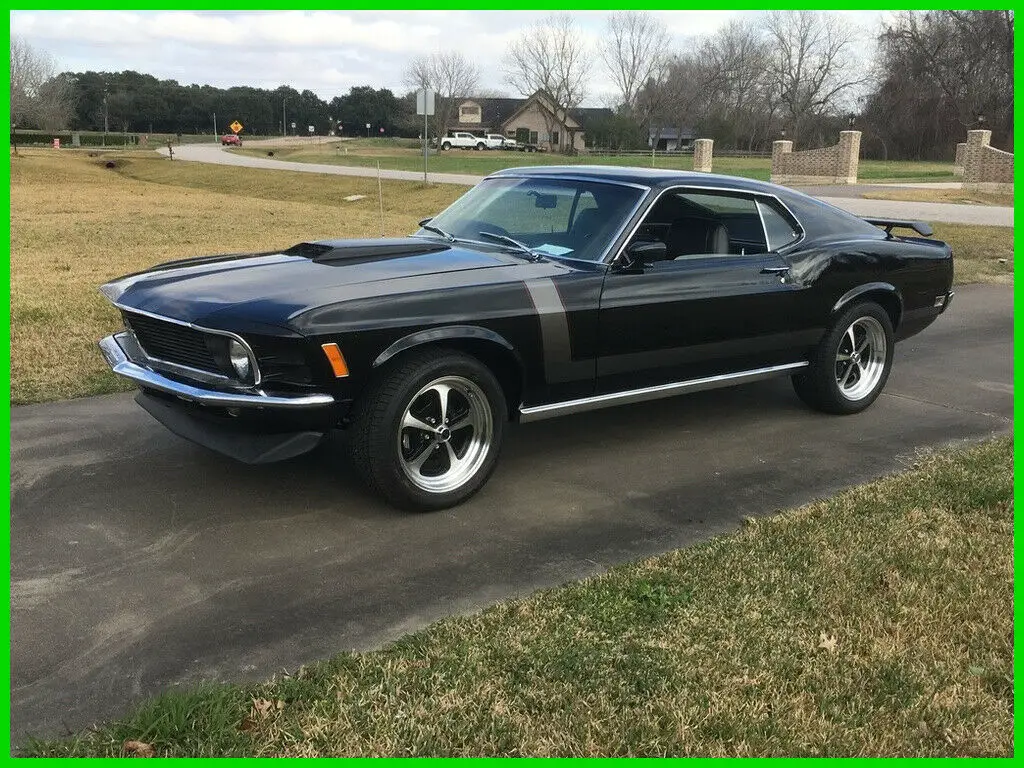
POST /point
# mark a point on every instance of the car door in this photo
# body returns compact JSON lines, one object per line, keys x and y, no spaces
{"x":714,"y":306}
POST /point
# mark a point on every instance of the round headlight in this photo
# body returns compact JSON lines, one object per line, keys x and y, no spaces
{"x":240,"y":360}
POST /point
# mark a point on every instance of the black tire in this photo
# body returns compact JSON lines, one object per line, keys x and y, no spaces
{"x":446,"y":146}
{"x":834,"y":385}
{"x":481,"y":146}
{"x":383,"y":451}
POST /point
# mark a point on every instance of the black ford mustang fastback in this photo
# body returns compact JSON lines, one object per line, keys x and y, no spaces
{"x":542,"y":291}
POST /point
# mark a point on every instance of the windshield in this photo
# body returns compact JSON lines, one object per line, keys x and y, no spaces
{"x":554,"y":217}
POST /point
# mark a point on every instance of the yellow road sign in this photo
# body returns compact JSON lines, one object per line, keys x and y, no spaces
{"x":236,"y":126}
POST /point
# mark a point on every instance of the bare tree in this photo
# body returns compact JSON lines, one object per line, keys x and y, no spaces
{"x":967,"y":54}
{"x":450,"y":75}
{"x":677,"y":96}
{"x":419,"y":73}
{"x":936,"y":73}
{"x":552,"y":57}
{"x":812,"y":63}
{"x":54,"y":102}
{"x":740,"y":101}
{"x":39,"y":97}
{"x":633,"y":50}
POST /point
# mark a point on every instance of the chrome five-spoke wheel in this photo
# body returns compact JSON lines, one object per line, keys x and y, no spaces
{"x":848,"y":368}
{"x":445,"y":434}
{"x":861,"y":358}
{"x":428,"y":432}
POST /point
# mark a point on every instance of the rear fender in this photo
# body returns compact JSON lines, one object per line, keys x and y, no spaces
{"x":892,"y":302}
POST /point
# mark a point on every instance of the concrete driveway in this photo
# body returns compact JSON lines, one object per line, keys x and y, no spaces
{"x":838,"y":196}
{"x":140,"y":561}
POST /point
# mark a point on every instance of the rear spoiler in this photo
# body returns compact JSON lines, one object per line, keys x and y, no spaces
{"x":923,"y":229}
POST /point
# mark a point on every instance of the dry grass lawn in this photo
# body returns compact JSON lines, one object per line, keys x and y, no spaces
{"x":957,"y":196}
{"x":876,"y":623}
{"x":76,"y":224}
{"x":980,"y":254}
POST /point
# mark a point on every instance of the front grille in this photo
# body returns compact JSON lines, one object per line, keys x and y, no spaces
{"x":172,"y":342}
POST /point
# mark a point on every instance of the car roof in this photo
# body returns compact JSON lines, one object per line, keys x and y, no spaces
{"x":649,"y":177}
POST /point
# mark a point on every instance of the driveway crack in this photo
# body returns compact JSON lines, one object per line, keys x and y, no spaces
{"x":947,"y":406}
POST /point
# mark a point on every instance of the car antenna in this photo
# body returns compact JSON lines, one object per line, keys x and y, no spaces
{"x":380,"y":200}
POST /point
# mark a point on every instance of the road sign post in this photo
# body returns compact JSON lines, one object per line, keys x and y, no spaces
{"x":425,"y":107}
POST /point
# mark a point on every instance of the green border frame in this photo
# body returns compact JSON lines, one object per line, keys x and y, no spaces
{"x":363,"y":5}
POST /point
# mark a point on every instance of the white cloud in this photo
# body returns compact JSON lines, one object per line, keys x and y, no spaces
{"x":325,"y":51}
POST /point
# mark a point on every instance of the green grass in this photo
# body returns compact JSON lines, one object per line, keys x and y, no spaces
{"x":393,"y":156}
{"x":878,"y":622}
{"x":904,"y":170}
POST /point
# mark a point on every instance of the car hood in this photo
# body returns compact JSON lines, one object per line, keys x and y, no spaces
{"x":275,"y":287}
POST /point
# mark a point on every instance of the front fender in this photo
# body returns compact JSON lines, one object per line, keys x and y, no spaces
{"x":434,"y":335}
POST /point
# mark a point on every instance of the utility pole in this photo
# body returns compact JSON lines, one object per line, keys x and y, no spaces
{"x":284,"y":117}
{"x":106,"y":118}
{"x":215,"y":127}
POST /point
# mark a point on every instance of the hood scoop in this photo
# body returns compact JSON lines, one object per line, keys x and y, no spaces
{"x":359,"y":251}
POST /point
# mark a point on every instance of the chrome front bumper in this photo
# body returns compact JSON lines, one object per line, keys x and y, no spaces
{"x":122,"y":365}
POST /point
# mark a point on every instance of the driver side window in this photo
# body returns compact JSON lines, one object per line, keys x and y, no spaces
{"x":700,"y":223}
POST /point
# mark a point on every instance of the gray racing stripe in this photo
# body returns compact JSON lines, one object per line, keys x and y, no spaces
{"x":554,"y":329}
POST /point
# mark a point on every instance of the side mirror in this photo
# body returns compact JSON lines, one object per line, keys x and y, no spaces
{"x":643,"y":252}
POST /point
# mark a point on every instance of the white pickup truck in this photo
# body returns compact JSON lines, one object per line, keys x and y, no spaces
{"x":497,"y":141}
{"x":463,"y":140}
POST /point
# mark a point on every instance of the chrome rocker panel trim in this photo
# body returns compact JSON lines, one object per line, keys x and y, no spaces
{"x":120,"y":364}
{"x":583,"y":404}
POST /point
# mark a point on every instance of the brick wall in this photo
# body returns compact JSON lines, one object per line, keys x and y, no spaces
{"x":702,"y":151}
{"x":829,"y":165}
{"x":986,"y":168}
{"x":958,"y":162}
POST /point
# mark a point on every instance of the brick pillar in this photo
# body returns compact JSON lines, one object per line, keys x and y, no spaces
{"x":849,"y":157}
{"x":973,"y":154}
{"x":779,"y":148}
{"x":958,"y":160}
{"x":702,"y":150}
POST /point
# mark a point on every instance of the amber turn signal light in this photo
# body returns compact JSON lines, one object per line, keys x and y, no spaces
{"x":336,"y":359}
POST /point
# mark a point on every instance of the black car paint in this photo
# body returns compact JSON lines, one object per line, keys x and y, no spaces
{"x":627,"y":327}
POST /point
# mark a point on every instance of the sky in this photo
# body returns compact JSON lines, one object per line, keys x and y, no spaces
{"x":327,"y":52}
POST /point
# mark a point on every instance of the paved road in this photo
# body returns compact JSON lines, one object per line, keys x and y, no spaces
{"x":141,"y":561}
{"x":214,"y":153}
{"x":837,"y":196}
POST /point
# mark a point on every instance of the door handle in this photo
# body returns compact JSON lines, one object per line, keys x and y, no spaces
{"x":774,"y":270}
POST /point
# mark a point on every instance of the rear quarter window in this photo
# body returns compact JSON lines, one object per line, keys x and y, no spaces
{"x":779,"y":228}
